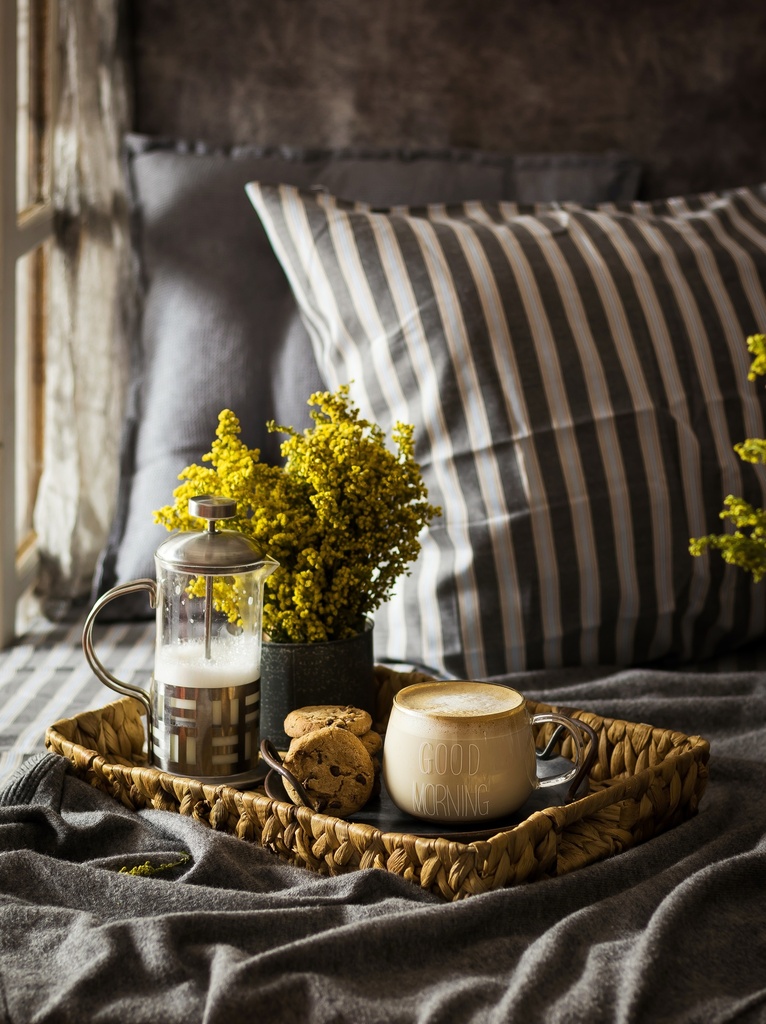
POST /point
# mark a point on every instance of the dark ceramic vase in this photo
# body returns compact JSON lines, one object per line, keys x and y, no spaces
{"x":299,"y":675}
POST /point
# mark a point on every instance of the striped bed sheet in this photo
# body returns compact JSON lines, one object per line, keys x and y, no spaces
{"x":44,"y":678}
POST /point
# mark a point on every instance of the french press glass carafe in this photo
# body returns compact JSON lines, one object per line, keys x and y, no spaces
{"x":203,"y":703}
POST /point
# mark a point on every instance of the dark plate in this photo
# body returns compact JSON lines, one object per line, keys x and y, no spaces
{"x":381,"y":812}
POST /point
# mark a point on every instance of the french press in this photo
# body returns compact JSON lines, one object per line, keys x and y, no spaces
{"x":204,"y":700}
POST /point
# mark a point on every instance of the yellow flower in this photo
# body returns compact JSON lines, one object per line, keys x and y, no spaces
{"x":342,"y":516}
{"x":756,"y":344}
{"x":745,"y":547}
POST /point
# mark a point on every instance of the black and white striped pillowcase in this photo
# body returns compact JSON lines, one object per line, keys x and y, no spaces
{"x":577,"y":378}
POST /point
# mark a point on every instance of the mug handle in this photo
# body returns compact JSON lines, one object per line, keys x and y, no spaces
{"x":573,"y":727}
{"x":102,"y":673}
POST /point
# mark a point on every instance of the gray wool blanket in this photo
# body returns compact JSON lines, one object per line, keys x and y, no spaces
{"x":673,"y":930}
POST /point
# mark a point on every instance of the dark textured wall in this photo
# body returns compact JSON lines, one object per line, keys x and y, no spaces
{"x":680,"y":84}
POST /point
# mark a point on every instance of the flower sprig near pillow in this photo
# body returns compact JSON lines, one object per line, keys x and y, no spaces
{"x":341,"y":516}
{"x":746,"y":546}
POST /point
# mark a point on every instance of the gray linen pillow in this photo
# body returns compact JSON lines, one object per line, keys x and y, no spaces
{"x":577,"y":378}
{"x":219,"y":324}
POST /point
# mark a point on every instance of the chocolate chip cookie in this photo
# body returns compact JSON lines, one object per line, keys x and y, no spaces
{"x":333,"y":767}
{"x":372,"y":742}
{"x":303,"y":721}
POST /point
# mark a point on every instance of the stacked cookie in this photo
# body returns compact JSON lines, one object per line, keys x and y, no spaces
{"x":334,"y":755}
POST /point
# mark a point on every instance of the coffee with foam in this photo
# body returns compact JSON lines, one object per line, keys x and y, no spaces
{"x":461,"y":751}
{"x":459,"y":699}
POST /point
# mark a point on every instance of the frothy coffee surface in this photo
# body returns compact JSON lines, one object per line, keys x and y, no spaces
{"x":459,"y":699}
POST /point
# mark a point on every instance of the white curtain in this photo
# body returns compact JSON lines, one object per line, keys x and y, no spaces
{"x":91,"y":301}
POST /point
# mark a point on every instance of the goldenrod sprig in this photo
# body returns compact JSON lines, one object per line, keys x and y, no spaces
{"x":342,"y":516}
{"x":745,"y":547}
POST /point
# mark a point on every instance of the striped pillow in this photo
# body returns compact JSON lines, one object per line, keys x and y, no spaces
{"x":577,"y":378}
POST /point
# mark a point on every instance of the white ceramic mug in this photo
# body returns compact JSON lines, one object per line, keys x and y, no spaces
{"x":463,"y":751}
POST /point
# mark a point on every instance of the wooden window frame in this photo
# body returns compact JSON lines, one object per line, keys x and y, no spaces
{"x":21,"y":232}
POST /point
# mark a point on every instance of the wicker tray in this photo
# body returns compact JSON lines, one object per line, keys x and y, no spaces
{"x":643,"y":781}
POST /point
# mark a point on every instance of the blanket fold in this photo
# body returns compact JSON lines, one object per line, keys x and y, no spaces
{"x":673,"y":930}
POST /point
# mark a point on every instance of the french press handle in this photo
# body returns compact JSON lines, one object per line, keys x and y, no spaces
{"x":102,"y":673}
